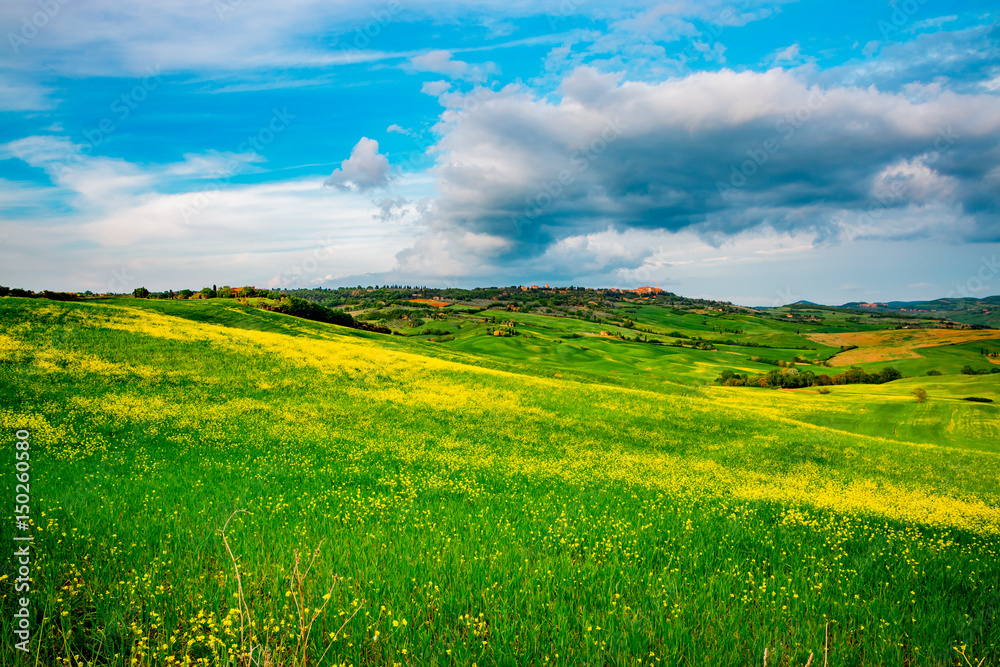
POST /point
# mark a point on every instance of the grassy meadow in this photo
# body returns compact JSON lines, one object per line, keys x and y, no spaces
{"x":557,"y":497}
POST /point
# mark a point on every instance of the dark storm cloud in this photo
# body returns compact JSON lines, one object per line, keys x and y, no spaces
{"x":720,"y":152}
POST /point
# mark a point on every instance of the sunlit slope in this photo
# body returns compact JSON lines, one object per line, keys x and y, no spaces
{"x":895,"y":344}
{"x":891,"y":410}
{"x":157,"y":371}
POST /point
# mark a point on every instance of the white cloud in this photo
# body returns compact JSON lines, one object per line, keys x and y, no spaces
{"x":790,"y":55}
{"x":441,"y":62}
{"x":435,"y":88}
{"x":145,"y":238}
{"x":101,"y":180}
{"x":440,"y":255}
{"x":108,"y":182}
{"x":214,"y":164}
{"x":936,"y":22}
{"x":871,"y":48}
{"x":239,"y":36}
{"x":18,"y":94}
{"x":364,"y":170}
{"x":632,"y":154}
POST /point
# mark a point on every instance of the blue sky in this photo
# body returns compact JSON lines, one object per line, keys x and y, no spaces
{"x":759,"y":152}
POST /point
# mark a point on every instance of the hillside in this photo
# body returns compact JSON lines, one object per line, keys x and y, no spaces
{"x":501,"y":485}
{"x":967,"y":310}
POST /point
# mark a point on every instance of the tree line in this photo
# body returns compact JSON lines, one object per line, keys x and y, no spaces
{"x":792,"y":378}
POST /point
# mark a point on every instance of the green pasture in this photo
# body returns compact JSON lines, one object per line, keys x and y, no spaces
{"x":550,"y":498}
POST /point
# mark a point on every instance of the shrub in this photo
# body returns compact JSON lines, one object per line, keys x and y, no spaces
{"x":920,"y":394}
{"x":889,"y":374}
{"x":933,"y":372}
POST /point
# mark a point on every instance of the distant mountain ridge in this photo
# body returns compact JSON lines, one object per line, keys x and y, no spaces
{"x":961,"y":303}
{"x":965,"y":310}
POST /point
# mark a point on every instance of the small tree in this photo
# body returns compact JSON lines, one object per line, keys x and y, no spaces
{"x":140,"y":293}
{"x":889,"y":374}
{"x":920,"y":394}
{"x":855,"y":375}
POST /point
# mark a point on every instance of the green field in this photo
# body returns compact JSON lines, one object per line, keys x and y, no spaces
{"x":564,"y":495}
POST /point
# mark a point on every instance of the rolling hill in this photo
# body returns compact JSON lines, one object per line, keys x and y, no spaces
{"x":497,"y":486}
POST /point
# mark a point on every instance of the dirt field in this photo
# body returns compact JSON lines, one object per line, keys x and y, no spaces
{"x":429,"y":302}
{"x":897,"y":343}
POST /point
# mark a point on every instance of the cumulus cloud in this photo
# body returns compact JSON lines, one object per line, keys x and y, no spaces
{"x":787,"y":54}
{"x":389,"y":209}
{"x":364,"y":170}
{"x":435,"y":88}
{"x":716,"y":152}
{"x":787,"y":57}
{"x":128,"y":231}
{"x":441,"y":62}
{"x":449,"y":254}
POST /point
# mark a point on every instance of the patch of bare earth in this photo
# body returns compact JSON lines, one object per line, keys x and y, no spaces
{"x":896,"y":343}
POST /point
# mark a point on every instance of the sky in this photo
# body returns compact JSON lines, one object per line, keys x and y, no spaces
{"x":759,"y":152}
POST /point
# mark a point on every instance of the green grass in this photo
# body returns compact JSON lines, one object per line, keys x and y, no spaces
{"x":612,"y":515}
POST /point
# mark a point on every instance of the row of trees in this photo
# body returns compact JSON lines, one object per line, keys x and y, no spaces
{"x":969,"y":370}
{"x":307,"y":310}
{"x":213,"y":292}
{"x":792,"y":378}
{"x":44,"y":294}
